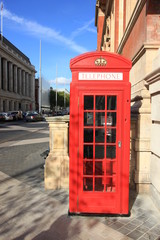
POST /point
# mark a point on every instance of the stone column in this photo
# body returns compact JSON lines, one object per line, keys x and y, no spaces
{"x":12,"y":105}
{"x":1,"y":105}
{"x":15,"y":79}
{"x":57,"y":162}
{"x":33,"y":90}
{"x":23,"y":83}
{"x":4,"y":106}
{"x":26,"y":81}
{"x":7,"y":105}
{"x":4,"y":74}
{"x":0,"y":73}
{"x":10,"y":77}
{"x":19,"y":81}
{"x":142,"y":144}
{"x":29,"y":83}
{"x":153,"y":81}
{"x":23,"y":107}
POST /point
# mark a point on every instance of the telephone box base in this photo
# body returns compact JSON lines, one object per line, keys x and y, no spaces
{"x":99,"y":214}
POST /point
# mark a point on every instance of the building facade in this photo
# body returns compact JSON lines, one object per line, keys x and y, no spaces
{"x":17,"y":79}
{"x":132,"y":28}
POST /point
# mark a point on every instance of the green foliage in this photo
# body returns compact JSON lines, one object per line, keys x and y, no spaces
{"x":60,"y":99}
{"x":52,"y":98}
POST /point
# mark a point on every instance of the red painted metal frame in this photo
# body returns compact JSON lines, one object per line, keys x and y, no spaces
{"x":99,"y":202}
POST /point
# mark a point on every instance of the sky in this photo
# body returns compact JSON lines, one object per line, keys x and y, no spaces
{"x":65,"y":29}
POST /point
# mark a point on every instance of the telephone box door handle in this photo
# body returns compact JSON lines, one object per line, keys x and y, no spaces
{"x":119,"y":144}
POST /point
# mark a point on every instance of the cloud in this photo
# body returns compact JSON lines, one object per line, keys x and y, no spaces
{"x":60,"y":81}
{"x":37,"y":29}
{"x":86,"y":27}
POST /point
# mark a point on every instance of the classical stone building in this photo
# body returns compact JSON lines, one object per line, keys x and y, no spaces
{"x":132,"y":28}
{"x":17,"y":79}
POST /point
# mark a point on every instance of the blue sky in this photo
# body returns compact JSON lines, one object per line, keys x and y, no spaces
{"x":66,"y":29}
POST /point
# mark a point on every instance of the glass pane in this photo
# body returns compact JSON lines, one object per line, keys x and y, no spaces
{"x":88,"y":102}
{"x":99,"y":135}
{"x":110,"y":168}
{"x":110,"y":184}
{"x":111,"y":119}
{"x":99,"y":186}
{"x":99,"y":152}
{"x":111,"y":102}
{"x":111,"y":135}
{"x":99,"y":168}
{"x":111,"y":152}
{"x":100,"y":119}
{"x":100,"y":102}
{"x":88,"y":135}
{"x":88,"y":119}
{"x":87,"y":184}
{"x":88,"y":151}
{"x":88,"y":168}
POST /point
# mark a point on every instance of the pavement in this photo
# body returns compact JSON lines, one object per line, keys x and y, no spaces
{"x":29,"y":212}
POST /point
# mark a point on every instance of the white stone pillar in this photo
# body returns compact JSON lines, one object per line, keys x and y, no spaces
{"x":15,"y":78}
{"x":10,"y":77}
{"x":4,"y":74}
{"x":57,"y":162}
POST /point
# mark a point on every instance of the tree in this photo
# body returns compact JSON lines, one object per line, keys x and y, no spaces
{"x":67,"y":99}
{"x":60,"y":98}
{"x":52,"y":98}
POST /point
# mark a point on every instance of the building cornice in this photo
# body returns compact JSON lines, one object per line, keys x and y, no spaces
{"x":137,"y":10}
{"x":153,"y":77}
{"x":142,"y":50}
{"x":4,"y":41}
{"x":14,"y":55}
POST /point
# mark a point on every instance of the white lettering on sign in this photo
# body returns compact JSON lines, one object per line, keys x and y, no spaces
{"x":100,"y":76}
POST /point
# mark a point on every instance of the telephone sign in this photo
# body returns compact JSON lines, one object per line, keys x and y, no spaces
{"x":99,"y":134}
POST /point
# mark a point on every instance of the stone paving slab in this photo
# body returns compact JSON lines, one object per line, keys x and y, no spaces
{"x":29,"y":212}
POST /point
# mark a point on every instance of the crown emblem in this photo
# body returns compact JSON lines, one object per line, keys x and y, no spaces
{"x":100,"y":62}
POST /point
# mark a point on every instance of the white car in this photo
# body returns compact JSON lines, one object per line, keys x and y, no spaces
{"x":8,"y":116}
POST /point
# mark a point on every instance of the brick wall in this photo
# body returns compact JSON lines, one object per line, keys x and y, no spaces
{"x":137,"y":36}
{"x":100,"y":30}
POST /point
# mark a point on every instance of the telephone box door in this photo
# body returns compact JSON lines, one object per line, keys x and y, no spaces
{"x":99,"y":152}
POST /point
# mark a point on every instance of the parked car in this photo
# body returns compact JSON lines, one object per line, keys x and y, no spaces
{"x":59,"y":113}
{"x":33,"y":117}
{"x":5,"y":116}
{"x":2,"y":117}
{"x":8,"y":117}
{"x":64,"y":112}
{"x":17,"y":115}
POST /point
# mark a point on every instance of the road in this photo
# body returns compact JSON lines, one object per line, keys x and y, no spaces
{"x":22,"y":147}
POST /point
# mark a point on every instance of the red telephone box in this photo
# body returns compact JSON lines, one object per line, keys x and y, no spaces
{"x":99,"y":134}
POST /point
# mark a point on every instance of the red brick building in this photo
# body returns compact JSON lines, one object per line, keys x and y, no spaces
{"x":132,"y":28}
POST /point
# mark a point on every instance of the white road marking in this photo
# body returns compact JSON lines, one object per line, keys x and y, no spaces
{"x":24,"y":142}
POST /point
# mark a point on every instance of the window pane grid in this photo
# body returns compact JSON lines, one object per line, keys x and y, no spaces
{"x":100,"y":123}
